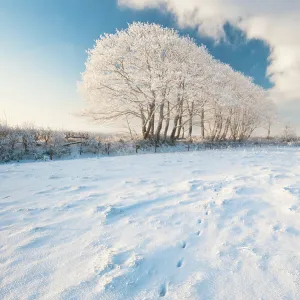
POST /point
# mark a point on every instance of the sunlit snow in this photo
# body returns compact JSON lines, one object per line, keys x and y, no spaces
{"x":216,"y":224}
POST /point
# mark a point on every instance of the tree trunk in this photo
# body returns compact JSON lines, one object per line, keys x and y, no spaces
{"x":179,"y":127}
{"x":191,"y":121}
{"x":147,"y":133}
{"x":152,"y":125}
{"x":167,"y":122}
{"x":151,"y":119}
{"x":178,"y":113}
{"x":143,"y":124}
{"x":220,"y":125}
{"x":227,"y":125}
{"x":269,"y":130}
{"x":172,"y":136}
{"x":202,"y":124}
{"x":160,"y":121}
{"x":190,"y":128}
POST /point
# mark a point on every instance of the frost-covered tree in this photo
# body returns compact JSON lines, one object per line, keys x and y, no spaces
{"x":148,"y":72}
{"x":129,"y":74}
{"x":166,"y":83}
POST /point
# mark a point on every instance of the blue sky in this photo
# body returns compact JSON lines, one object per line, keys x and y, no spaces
{"x":43,"y":54}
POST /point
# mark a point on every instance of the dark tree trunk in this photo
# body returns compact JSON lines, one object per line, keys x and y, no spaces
{"x":202,"y":124}
{"x":191,"y":121}
{"x":172,"y":136}
{"x":167,"y":122}
{"x":150,"y":122}
{"x":160,"y":121}
{"x":152,"y":125}
{"x":144,"y":129}
{"x":190,"y":128}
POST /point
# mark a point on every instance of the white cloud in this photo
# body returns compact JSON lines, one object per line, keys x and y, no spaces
{"x":277,"y":22}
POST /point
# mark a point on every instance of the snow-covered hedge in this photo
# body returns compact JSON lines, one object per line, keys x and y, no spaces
{"x":30,"y":143}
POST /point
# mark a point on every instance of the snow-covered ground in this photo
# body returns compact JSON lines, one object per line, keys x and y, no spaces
{"x":219,"y":224}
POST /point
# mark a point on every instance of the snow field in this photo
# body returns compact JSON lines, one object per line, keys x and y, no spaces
{"x":205,"y":225}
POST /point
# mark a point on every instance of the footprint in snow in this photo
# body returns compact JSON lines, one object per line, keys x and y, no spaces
{"x":163,"y":290}
{"x":179,"y":263}
{"x":293,"y":231}
{"x":183,"y":244}
{"x":294,"y":208}
{"x":276,"y":227}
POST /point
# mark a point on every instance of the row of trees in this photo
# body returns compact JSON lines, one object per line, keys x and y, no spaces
{"x":29,"y":142}
{"x":165,"y":85}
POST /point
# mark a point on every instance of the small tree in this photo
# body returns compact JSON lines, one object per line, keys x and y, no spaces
{"x":289,"y":133}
